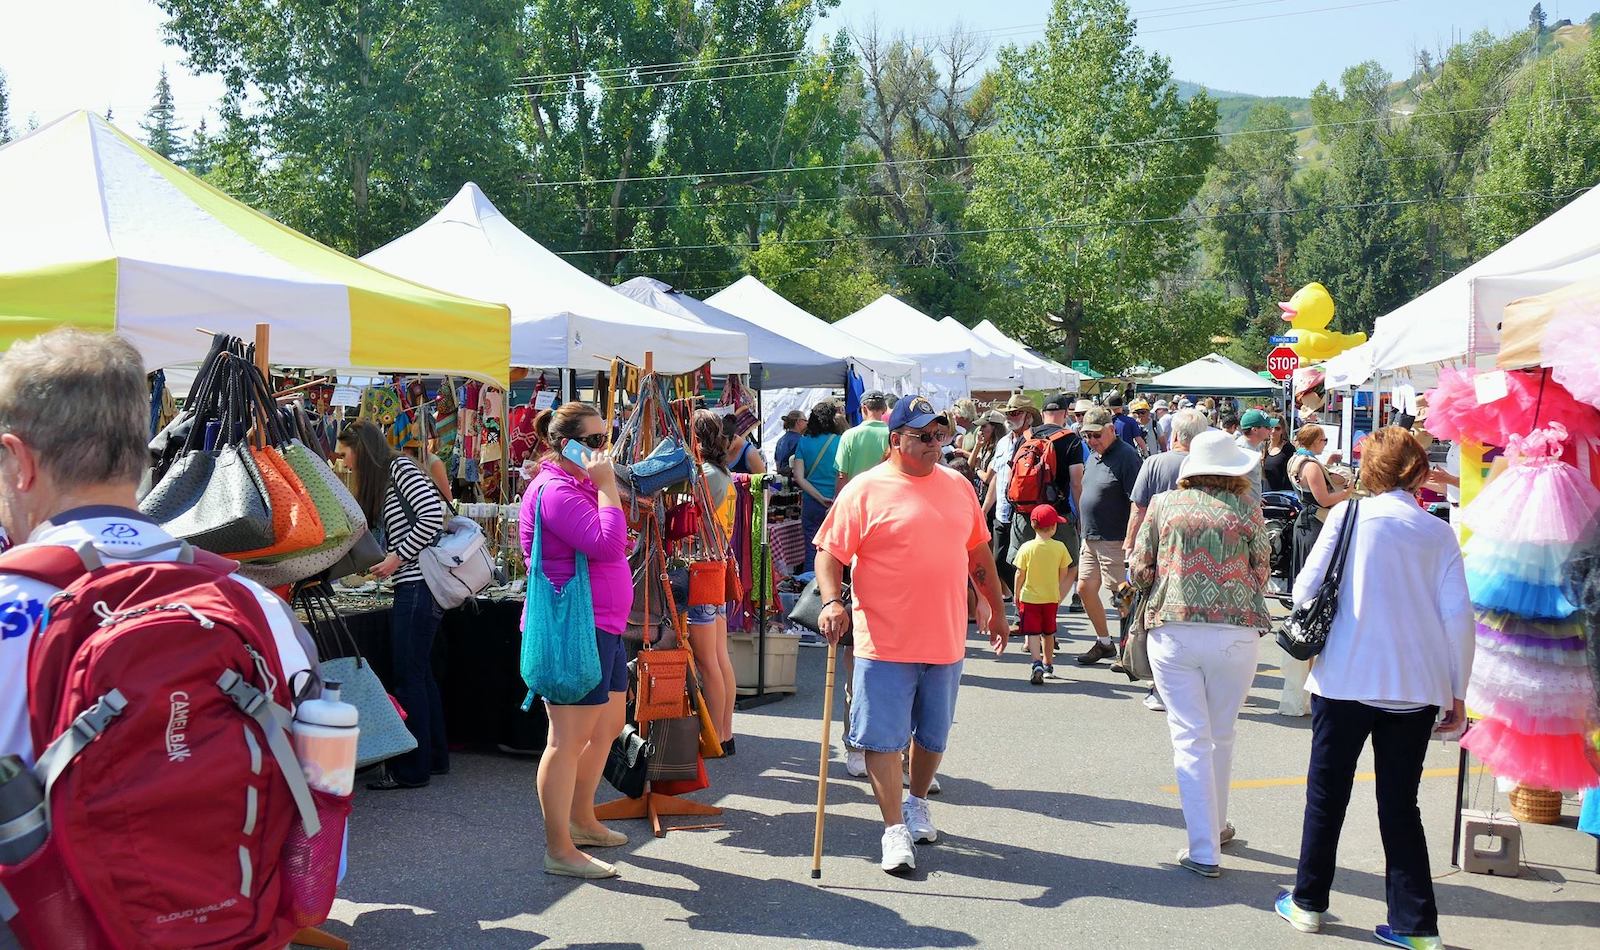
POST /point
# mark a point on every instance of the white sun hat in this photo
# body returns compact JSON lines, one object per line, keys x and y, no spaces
{"x":1214,"y":452}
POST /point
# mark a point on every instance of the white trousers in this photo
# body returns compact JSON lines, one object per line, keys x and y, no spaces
{"x":1204,"y":673}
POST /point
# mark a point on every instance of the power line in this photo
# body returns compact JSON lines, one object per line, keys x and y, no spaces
{"x":798,"y":200}
{"x":1096,"y":146}
{"x":1098,"y":225}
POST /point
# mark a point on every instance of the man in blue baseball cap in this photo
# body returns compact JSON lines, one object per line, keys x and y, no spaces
{"x":913,"y":536}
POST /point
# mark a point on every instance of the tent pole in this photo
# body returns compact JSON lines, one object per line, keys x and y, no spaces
{"x":263,"y":347}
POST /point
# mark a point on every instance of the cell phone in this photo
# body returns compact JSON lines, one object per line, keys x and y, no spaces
{"x":575,"y":452}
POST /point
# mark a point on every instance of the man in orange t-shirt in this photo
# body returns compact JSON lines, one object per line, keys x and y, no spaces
{"x":913,"y":535}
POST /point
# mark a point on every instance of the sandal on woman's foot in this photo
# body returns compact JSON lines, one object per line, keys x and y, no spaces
{"x":389,"y":783}
{"x":590,"y":870}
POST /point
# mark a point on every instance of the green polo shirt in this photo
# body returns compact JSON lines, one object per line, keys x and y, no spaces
{"x":862,"y":447}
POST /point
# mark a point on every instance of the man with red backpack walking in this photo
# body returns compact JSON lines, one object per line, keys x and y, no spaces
{"x":150,"y":683}
{"x":1046,"y":469}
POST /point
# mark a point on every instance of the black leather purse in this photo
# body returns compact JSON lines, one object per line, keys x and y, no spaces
{"x":807,"y":610}
{"x":1306,"y":632}
{"x":628,"y":762}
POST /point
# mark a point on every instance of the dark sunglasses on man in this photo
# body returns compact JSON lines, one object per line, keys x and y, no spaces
{"x":926,"y":438}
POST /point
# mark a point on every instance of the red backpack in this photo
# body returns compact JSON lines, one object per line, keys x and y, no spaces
{"x":1033,"y":472}
{"x":178,"y":815}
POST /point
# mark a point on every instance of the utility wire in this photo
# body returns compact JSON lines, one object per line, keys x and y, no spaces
{"x":1096,"y":225}
{"x":1089,"y":147}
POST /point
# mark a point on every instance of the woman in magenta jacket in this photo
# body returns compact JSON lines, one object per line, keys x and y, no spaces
{"x":581,"y":510}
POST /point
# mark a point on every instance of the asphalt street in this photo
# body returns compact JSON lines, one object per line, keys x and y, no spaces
{"x":1059,"y":827}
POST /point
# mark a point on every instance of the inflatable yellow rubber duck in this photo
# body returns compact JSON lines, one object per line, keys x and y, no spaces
{"x":1309,"y":312}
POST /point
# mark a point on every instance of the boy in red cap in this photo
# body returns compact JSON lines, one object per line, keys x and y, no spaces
{"x":1044,"y":573}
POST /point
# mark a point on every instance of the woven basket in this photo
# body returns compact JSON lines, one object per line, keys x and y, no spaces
{"x":1536,"y":806}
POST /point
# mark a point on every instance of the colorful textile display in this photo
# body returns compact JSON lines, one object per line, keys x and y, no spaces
{"x":1537,"y":703}
{"x":1471,"y":406}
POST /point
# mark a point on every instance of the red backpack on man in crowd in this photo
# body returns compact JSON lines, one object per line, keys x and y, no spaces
{"x":1033,"y":472}
{"x":178,"y":815}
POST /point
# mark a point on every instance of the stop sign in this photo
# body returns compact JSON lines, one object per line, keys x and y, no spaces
{"x":1282,"y":362}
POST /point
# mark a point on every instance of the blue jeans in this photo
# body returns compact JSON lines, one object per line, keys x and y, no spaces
{"x":812,"y":513}
{"x":412,"y":627}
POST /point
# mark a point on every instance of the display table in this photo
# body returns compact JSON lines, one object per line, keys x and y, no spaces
{"x":476,"y":658}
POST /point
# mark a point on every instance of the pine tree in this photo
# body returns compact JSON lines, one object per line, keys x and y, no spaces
{"x":200,"y":154}
{"x":161,"y":129}
{"x":1536,"y":20}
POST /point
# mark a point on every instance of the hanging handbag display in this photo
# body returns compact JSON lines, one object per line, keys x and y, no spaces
{"x":663,"y":684}
{"x":628,"y":762}
{"x":383,"y":733}
{"x":708,"y":585}
{"x":665,"y":466}
{"x":296,"y":524}
{"x":1306,"y":632}
{"x":214,"y":497}
{"x":365,"y":554}
{"x":560,"y":659}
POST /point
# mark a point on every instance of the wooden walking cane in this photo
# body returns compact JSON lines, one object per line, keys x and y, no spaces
{"x":822,"y":769}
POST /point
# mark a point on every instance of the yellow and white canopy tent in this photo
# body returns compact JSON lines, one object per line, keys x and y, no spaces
{"x":100,"y":232}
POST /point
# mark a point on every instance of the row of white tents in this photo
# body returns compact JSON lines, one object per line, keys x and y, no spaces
{"x":562,"y":317}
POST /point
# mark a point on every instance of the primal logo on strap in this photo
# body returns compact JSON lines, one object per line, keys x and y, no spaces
{"x":178,"y":727}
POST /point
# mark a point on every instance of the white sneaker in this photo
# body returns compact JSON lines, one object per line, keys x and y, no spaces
{"x":899,"y":854}
{"x":855,"y":762}
{"x":933,"y":786}
{"x":1152,"y":702}
{"x":919,"y":821}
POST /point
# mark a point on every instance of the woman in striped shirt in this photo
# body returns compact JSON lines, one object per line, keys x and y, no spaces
{"x":400,"y":498}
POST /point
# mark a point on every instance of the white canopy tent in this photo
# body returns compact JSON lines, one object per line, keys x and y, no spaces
{"x":782,"y":362}
{"x":1211,"y":375}
{"x":952,"y":365}
{"x":560,"y":316}
{"x":750,"y":299}
{"x":1038,"y":372}
{"x":1015,"y":372}
{"x":1436,"y":326}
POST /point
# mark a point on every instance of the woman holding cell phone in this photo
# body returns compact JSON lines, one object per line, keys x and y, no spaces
{"x":575,"y":500}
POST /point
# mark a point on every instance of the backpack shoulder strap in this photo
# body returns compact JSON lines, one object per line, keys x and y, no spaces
{"x":61,"y":564}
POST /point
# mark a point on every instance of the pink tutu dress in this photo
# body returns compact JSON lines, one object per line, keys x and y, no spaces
{"x":1533,"y":398}
{"x":1531,"y":679}
{"x":1571,"y":351}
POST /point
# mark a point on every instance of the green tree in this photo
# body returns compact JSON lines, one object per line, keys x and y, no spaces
{"x":1435,"y":155}
{"x":1354,"y":244}
{"x":361,"y":116}
{"x":1246,"y":246}
{"x":693,"y":130}
{"x":1542,"y":148}
{"x":161,"y":129}
{"x":1536,"y":20}
{"x":1082,"y":186}
{"x":199,"y":156}
{"x":831,"y":277}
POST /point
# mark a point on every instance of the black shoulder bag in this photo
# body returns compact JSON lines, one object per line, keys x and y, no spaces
{"x":1306,"y":633}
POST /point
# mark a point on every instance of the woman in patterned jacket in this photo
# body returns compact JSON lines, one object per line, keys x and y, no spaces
{"x":1204,"y":555}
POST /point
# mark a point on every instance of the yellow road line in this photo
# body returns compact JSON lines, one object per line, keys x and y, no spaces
{"x":1290,"y":780}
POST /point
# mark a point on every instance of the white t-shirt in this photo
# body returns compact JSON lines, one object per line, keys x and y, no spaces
{"x":22,"y":602}
{"x":1000,"y":465}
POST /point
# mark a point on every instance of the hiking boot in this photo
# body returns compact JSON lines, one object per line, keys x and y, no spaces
{"x":1100,"y":651}
{"x":919,"y":821}
{"x":899,"y":854}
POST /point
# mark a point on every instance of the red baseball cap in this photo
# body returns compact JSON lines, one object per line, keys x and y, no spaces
{"x":1045,"y":516}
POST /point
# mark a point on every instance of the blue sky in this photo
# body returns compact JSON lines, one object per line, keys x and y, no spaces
{"x":61,"y":55}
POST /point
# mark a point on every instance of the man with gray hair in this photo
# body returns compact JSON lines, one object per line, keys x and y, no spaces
{"x":74,"y":421}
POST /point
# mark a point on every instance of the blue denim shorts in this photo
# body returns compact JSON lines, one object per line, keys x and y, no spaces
{"x":613,"y":670}
{"x":894,"y":703}
{"x":707,"y":613}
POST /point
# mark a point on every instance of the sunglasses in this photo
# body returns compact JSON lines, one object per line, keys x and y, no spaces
{"x":926,"y":438}
{"x":596,"y":441}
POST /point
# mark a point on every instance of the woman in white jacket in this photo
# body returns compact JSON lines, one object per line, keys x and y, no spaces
{"x":1399,"y":652}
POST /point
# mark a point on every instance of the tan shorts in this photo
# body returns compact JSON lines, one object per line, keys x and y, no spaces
{"x":1103,"y":563}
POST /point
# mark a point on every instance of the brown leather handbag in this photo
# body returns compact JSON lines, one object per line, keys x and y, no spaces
{"x":663,"y":684}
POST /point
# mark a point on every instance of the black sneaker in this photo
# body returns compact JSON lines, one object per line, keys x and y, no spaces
{"x":1037,"y":676}
{"x":1049,"y":671}
{"x":1100,"y":651}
